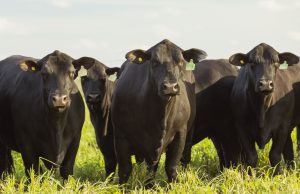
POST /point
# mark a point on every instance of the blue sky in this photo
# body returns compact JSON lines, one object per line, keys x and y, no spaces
{"x":108,"y":29}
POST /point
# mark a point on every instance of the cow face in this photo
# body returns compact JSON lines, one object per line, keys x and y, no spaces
{"x":167,"y":64}
{"x":263,"y":62}
{"x":58,"y":74}
{"x":94,"y":83}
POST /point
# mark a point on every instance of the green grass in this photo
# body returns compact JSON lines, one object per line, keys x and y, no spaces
{"x":202,"y":176}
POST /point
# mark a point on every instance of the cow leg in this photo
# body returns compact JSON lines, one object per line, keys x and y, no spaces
{"x":298,"y":140}
{"x":232,"y":153}
{"x":152,"y":168}
{"x":187,"y":152}
{"x":288,"y":152}
{"x":248,"y":145}
{"x":173,"y":155}
{"x":220,"y":152}
{"x":31,"y":161}
{"x":106,"y":145}
{"x":67,"y":164}
{"x":139,"y":158}
{"x":110,"y":163}
{"x":123,"y":154}
{"x":6,"y":161}
{"x":279,"y":142}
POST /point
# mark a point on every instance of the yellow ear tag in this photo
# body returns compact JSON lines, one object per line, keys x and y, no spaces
{"x":140,"y":59}
{"x":33,"y":68}
{"x":242,"y":61}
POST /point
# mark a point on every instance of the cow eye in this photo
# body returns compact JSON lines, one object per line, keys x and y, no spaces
{"x":103,"y":79}
{"x":155,"y":63}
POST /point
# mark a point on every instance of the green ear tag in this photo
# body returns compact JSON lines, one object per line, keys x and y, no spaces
{"x":190,"y":66}
{"x":284,"y":65}
{"x":113,"y":77}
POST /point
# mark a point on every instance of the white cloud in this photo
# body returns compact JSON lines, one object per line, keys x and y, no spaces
{"x":279,"y":5}
{"x":132,"y":2}
{"x":89,"y":44}
{"x":5,"y":24}
{"x":159,"y":13}
{"x":165,"y":31}
{"x":61,"y":3}
{"x":152,"y":15}
{"x":173,"y":11}
{"x":234,"y":42}
{"x":271,"y":5}
{"x":294,"y":35}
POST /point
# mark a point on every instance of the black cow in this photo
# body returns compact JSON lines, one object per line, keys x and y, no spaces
{"x":214,"y":119}
{"x":98,"y":89}
{"x":42,"y":112}
{"x":263,"y":102}
{"x":153,"y":106}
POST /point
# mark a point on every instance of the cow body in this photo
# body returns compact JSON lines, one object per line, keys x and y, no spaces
{"x":263,"y":102}
{"x":29,"y":125}
{"x":214,"y":80}
{"x":98,"y":90}
{"x":152,"y":109}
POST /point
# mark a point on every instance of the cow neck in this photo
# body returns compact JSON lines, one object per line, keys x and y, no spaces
{"x":101,"y":115}
{"x":56,"y":123}
{"x":56,"y":120}
{"x":259,"y":105}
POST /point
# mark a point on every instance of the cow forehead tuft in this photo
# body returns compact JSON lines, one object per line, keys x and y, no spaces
{"x":263,"y":53}
{"x":166,"y":52}
{"x":96,"y":72}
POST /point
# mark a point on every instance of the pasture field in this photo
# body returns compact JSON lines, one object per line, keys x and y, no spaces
{"x":202,"y":176}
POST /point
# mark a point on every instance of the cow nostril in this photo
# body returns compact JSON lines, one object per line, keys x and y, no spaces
{"x":64,"y":98}
{"x":261,"y":84}
{"x":93,"y":97}
{"x":176,"y":87}
{"x":54,"y":99}
{"x":164,"y":87}
{"x":271,"y":84}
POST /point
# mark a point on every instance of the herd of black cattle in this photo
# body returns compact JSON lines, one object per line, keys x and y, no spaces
{"x":160,"y":102}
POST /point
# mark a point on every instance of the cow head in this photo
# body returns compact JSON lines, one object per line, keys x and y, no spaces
{"x":57,"y":74}
{"x":263,"y":62}
{"x":167,"y":64}
{"x":94,"y":83}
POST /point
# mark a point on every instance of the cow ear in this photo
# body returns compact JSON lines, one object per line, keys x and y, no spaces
{"x":196,"y":54}
{"x":86,"y":62}
{"x":137,"y":56}
{"x":111,"y":71}
{"x":290,"y":58}
{"x":238,"y":59}
{"x":30,"y":66}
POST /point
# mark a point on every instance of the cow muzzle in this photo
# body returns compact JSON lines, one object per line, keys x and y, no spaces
{"x":93,"y":98}
{"x":170,"y":89}
{"x":59,"y":102}
{"x":265,"y":86}
{"x":93,"y":101}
